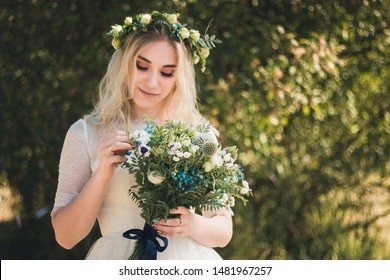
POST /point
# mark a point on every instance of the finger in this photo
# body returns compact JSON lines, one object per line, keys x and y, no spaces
{"x":171,"y":222}
{"x":170,"y":231}
{"x":119,"y":135}
{"x":179,"y":210}
{"x":118,"y":159}
{"x":119,"y":146}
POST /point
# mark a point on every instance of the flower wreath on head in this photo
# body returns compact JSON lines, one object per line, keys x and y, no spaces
{"x":199,"y":45}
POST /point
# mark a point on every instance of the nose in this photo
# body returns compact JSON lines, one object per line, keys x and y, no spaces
{"x":152,"y":80}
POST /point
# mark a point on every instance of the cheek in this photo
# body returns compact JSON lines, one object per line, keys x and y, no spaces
{"x":169,"y":84}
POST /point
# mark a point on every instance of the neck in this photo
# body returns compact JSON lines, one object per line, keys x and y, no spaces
{"x":159,"y":116}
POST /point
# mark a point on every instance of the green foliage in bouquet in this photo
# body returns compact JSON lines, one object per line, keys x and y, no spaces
{"x":179,"y":165}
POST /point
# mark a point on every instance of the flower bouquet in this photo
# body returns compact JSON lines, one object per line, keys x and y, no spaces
{"x":179,"y":165}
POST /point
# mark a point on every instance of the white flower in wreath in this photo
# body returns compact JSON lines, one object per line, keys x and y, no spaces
{"x":196,"y":59}
{"x":116,"y":29}
{"x":204,"y":52}
{"x":172,"y":18}
{"x":128,"y":20}
{"x":195,"y":35}
{"x":146,"y":19}
{"x":184,"y":33}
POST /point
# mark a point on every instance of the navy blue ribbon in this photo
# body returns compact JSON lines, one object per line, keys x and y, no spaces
{"x":148,"y":243}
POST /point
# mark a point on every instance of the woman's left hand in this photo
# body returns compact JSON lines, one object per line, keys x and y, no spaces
{"x":177,"y":227}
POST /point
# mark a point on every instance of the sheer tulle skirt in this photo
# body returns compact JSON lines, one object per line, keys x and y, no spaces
{"x":120,"y":248}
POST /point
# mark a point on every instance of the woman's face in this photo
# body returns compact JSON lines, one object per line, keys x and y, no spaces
{"x":154,"y":79}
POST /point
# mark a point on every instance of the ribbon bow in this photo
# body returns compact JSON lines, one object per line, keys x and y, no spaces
{"x":148,"y":243}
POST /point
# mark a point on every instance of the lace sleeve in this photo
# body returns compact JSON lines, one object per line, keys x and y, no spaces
{"x":75,"y":166}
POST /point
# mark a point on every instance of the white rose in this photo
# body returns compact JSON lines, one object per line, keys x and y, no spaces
{"x":195,"y":35}
{"x":172,"y":18}
{"x":184,"y":33}
{"x":186,"y":154}
{"x":204,"y":52}
{"x":116,"y":29}
{"x":196,"y":59}
{"x":146,"y":19}
{"x":156,"y":177}
{"x":116,"y":43}
{"x":128,"y":21}
{"x":208,"y":166}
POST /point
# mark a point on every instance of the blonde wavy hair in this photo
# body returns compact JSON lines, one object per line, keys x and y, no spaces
{"x":114,"y":107}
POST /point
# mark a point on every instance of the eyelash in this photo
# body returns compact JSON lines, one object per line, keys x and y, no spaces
{"x":166,"y":75}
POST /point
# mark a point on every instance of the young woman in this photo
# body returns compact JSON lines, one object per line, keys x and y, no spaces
{"x":151,"y":73}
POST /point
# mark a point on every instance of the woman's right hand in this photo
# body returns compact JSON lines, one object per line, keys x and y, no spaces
{"x":111,"y":152}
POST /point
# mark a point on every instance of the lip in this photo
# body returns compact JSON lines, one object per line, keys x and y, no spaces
{"x":148,"y":94}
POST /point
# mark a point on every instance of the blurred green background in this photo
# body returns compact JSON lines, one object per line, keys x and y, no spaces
{"x":301,"y":87}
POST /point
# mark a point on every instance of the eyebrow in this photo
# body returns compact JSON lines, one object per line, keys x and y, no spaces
{"x":148,"y":61}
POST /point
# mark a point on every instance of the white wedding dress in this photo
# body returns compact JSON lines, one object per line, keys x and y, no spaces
{"x":118,"y":213}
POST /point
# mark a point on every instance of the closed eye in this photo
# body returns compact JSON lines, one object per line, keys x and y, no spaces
{"x":139,"y":67}
{"x":168,"y":75}
{"x":164,"y":74}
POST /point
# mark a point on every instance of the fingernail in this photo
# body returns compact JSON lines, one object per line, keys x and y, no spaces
{"x":154,"y":226}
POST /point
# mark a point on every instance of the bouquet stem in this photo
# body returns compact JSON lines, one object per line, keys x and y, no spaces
{"x":134,"y":255}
